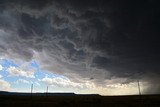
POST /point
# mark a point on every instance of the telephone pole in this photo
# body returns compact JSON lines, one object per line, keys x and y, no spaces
{"x":139,"y":89}
{"x":31,"y":89}
{"x":47,"y":90}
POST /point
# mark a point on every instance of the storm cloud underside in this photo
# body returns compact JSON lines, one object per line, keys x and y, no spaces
{"x":93,"y":40}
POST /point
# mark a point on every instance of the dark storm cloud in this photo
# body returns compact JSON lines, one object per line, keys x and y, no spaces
{"x":95,"y":39}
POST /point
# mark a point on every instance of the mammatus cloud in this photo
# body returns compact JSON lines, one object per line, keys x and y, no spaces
{"x":95,"y":40}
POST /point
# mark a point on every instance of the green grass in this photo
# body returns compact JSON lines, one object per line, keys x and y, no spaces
{"x":80,"y":101}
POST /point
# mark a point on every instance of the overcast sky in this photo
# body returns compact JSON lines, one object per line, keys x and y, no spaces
{"x":81,"y":46}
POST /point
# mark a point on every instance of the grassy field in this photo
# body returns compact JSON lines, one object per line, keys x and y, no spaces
{"x":80,"y":101}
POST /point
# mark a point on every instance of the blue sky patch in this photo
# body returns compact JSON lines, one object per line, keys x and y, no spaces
{"x":20,"y":83}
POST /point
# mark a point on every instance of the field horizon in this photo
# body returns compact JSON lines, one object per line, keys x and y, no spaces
{"x":10,"y":99}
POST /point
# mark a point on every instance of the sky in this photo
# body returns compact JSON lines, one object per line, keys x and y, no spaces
{"x":86,"y":47}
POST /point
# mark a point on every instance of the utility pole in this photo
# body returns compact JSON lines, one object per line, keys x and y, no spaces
{"x":31,"y":89}
{"x":31,"y":94}
{"x":47,"y":90}
{"x":139,"y":89}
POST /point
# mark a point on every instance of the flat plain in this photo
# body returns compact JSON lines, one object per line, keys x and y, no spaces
{"x":79,"y":101}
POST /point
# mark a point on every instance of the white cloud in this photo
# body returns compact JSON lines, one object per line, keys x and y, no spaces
{"x":65,"y":82}
{"x":1,"y":67}
{"x":1,"y":76}
{"x":37,"y":84}
{"x":58,"y":81}
{"x":27,"y":82}
{"x":22,"y":81}
{"x":15,"y":71}
{"x":5,"y":86}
